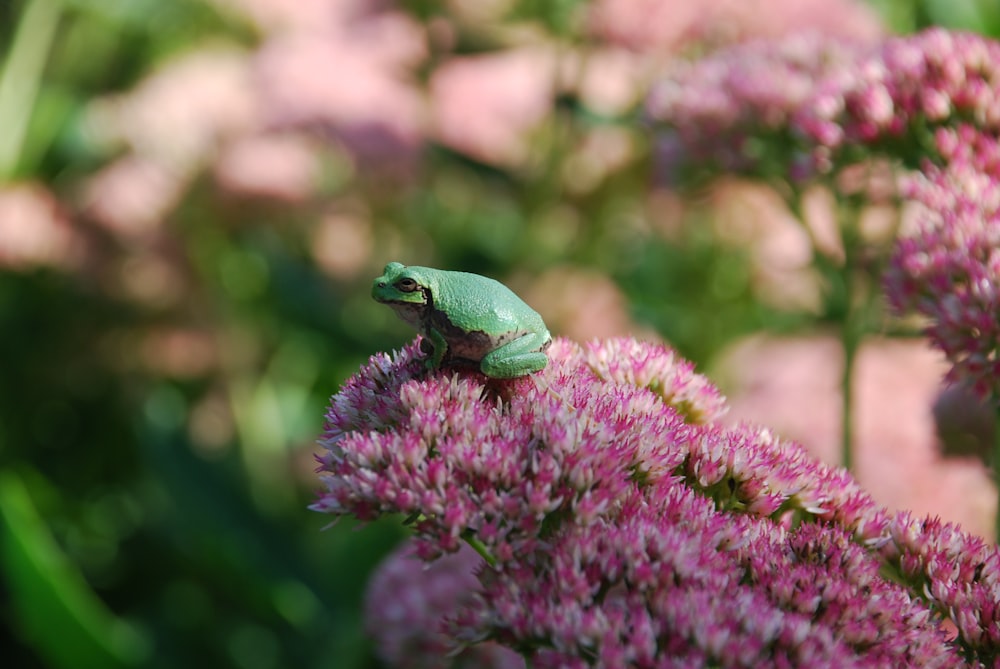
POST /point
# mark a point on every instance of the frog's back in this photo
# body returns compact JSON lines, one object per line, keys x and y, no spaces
{"x":476,"y":303}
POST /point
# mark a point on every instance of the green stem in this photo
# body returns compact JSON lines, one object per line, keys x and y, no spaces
{"x":854,"y":307}
{"x":859,"y":302}
{"x":849,"y":343}
{"x":470,"y":538}
{"x":21,"y":77}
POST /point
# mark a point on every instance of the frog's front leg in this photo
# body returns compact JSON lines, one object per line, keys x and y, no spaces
{"x":519,"y":357}
{"x":440,"y":349}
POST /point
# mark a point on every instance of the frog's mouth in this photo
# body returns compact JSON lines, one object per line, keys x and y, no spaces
{"x":425,"y":301}
{"x":418,"y":307}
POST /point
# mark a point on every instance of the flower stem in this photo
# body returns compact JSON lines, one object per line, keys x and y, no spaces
{"x":849,"y":342}
{"x":853,"y":297}
{"x":851,"y":327}
{"x":470,"y":538}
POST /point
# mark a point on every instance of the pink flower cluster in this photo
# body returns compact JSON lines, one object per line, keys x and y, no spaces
{"x":949,"y":268}
{"x":406,"y":601}
{"x":931,"y":101}
{"x":823,"y":98}
{"x":727,"y":109}
{"x":934,"y":77}
{"x":618,"y":531}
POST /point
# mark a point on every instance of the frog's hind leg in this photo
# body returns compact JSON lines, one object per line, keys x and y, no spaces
{"x":519,"y":357}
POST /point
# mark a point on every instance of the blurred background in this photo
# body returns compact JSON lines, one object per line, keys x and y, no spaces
{"x":194,"y":198}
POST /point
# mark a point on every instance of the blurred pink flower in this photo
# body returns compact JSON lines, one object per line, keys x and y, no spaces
{"x":406,"y":604}
{"x":740,"y":20}
{"x":35,"y":230}
{"x":610,"y":80}
{"x":342,"y":243}
{"x":131,"y":196}
{"x":178,"y":116}
{"x":150,"y":274}
{"x":280,"y":15}
{"x":948,"y":268}
{"x":646,"y":25}
{"x":793,"y":385}
{"x":487,"y":105}
{"x":211,"y":423}
{"x":652,"y":26}
{"x":581,"y":304}
{"x":935,"y":77}
{"x":717,"y":111}
{"x":815,"y":100}
{"x":600,"y":152}
{"x":755,"y":216}
{"x":181,"y":353}
{"x":353,"y":79}
{"x":274,"y":166}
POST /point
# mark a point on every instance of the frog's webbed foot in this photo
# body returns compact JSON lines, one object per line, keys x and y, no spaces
{"x":436,"y":348}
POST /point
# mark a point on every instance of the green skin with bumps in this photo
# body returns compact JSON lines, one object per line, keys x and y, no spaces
{"x":468,"y":319}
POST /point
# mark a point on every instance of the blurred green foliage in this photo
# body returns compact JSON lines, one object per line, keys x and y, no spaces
{"x":153,"y":507}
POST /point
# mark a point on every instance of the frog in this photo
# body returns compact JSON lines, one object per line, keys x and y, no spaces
{"x":468,"y":319}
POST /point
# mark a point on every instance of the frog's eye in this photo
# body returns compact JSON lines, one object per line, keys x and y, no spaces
{"x":406,"y":285}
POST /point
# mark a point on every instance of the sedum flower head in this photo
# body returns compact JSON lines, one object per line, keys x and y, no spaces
{"x":730,"y":109}
{"x":827,"y":100}
{"x":799,"y":107}
{"x":948,"y":269}
{"x":932,"y":78}
{"x":406,"y":603}
{"x":620,"y":526}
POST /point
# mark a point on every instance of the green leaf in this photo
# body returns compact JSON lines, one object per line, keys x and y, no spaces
{"x":54,"y":608}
